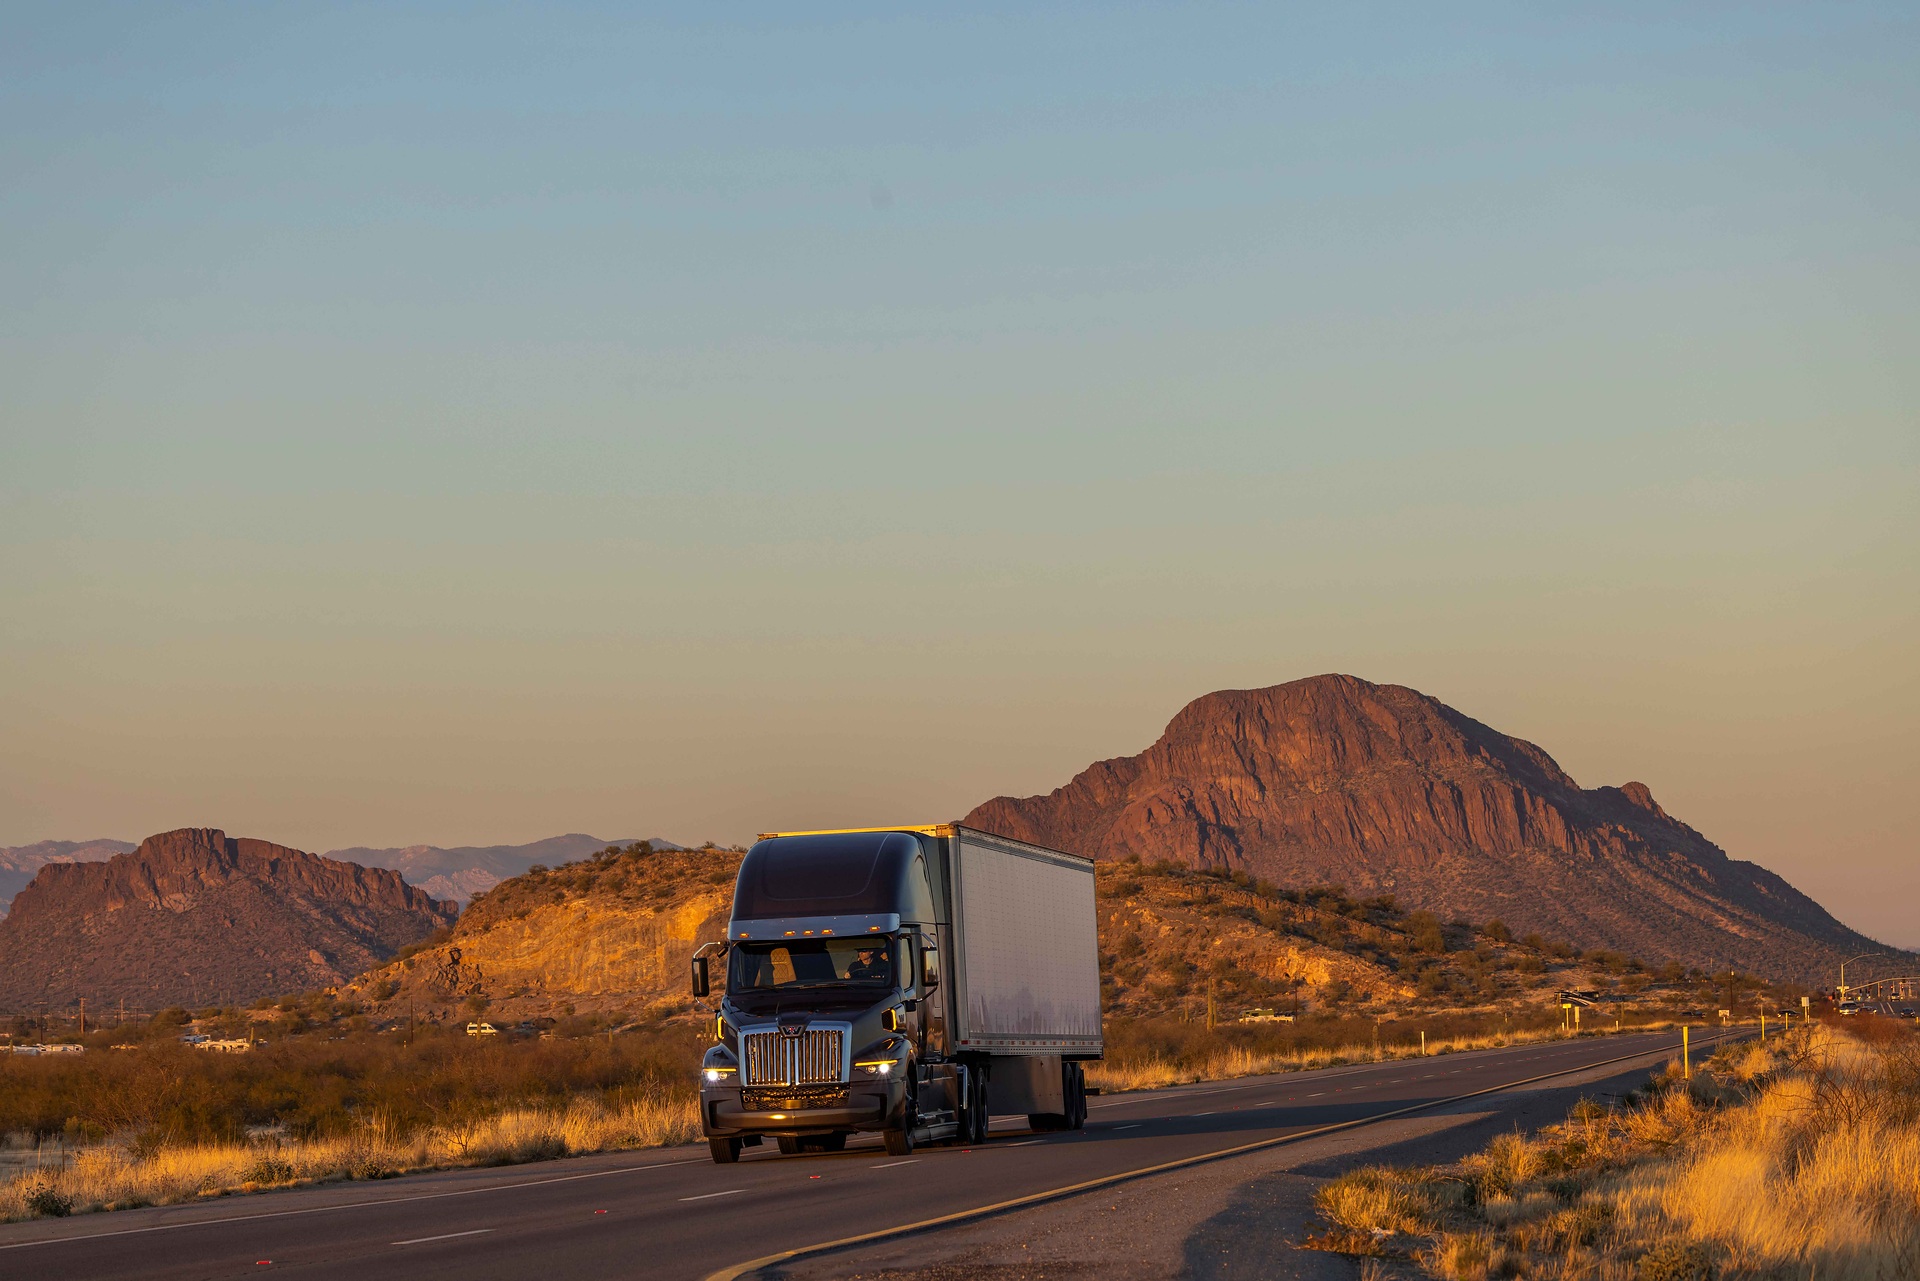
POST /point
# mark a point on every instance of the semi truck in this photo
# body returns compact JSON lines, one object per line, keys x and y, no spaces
{"x":899,"y":980}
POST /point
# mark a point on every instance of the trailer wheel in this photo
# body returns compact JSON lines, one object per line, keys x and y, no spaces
{"x":725,"y":1151}
{"x":1073,"y":1096}
{"x":977,"y":1111}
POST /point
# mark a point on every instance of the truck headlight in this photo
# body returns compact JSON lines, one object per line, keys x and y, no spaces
{"x":878,"y":1067}
{"x":715,"y":1075}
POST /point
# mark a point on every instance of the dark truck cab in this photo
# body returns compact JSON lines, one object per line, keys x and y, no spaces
{"x":849,"y":1005}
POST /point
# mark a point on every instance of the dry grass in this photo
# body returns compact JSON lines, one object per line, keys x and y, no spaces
{"x":1153,"y":1073}
{"x":1798,"y":1160}
{"x":123,"y":1175}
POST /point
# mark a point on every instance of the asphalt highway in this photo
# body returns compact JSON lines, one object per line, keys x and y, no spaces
{"x":674,"y":1214}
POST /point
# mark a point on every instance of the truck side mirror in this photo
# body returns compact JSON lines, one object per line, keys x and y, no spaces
{"x":700,"y":980}
{"x":930,"y":966}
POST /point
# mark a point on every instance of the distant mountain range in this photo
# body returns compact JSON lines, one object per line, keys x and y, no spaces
{"x":458,"y":873}
{"x":1327,"y":781}
{"x":194,"y":917}
{"x":1379,"y":788}
{"x":452,"y":874}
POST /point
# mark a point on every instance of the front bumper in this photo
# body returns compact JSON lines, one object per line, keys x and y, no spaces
{"x":863,"y":1105}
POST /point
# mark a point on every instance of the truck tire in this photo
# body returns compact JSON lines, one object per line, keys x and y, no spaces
{"x":975,"y":1131}
{"x":790,"y":1146}
{"x":835,"y":1142}
{"x":900,"y":1142}
{"x":725,"y":1151}
{"x":1073,"y":1096}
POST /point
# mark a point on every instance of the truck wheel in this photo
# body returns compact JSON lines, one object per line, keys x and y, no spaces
{"x":725,"y":1151}
{"x":973,"y":1121}
{"x":900,"y":1142}
{"x":835,"y":1142}
{"x":1076,"y":1098}
{"x":790,"y":1146}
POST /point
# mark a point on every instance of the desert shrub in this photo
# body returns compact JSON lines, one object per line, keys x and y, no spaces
{"x":1676,"y":1260}
{"x":313,"y":1088}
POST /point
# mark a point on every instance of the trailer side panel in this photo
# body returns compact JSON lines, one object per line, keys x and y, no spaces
{"x":1029,"y":948}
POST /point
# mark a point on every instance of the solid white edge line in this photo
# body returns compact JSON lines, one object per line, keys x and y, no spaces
{"x":708,"y":1196}
{"x":444,"y":1236}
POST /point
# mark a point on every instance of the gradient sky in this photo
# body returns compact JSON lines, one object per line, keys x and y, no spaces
{"x":469,"y":424}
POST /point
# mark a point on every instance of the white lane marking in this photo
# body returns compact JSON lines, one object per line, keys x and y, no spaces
{"x":354,"y":1205}
{"x":444,"y":1236}
{"x":1136,"y":1125}
{"x":890,"y":1164}
{"x":708,"y":1196}
{"x":1316,"y":1094}
{"x":1199,"y":1114}
{"x":1024,"y":1143}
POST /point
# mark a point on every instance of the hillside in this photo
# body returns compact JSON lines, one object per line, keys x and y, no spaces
{"x":609,"y":938}
{"x":457,"y":873}
{"x":194,"y":917}
{"x":611,"y":934}
{"x":1383,"y":790}
{"x":19,"y":863}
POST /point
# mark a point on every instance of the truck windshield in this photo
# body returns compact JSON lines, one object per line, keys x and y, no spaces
{"x":797,"y":963}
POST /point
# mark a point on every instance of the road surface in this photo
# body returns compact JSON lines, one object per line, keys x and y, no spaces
{"x":672,"y":1213}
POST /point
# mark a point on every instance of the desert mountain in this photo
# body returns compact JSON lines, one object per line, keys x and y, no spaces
{"x":18,"y":863}
{"x":194,"y":917}
{"x":457,"y":874}
{"x":1379,"y":788}
{"x":608,"y":939}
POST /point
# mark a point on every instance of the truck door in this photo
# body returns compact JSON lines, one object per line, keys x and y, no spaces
{"x":933,"y":996}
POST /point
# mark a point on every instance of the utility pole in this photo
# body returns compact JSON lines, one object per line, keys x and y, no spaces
{"x":83,"y":1018}
{"x":1209,"y":1004}
{"x":1843,"y":972}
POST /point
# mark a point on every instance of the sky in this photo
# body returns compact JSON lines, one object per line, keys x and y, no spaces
{"x":466,"y":424}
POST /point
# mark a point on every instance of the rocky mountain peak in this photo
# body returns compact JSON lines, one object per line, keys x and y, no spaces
{"x":1380,"y":788}
{"x":193,"y":915}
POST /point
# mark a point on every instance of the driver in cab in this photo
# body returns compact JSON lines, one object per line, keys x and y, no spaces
{"x":869,"y":965}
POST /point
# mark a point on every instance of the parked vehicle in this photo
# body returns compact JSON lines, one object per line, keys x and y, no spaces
{"x":482,"y":1029}
{"x":900,"y":980}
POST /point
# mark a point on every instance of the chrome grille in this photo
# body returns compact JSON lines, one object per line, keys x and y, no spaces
{"x":816,"y":1057}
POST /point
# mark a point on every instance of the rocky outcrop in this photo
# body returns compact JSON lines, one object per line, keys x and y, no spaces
{"x":19,"y":863}
{"x":196,"y":917}
{"x":1334,"y":780}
